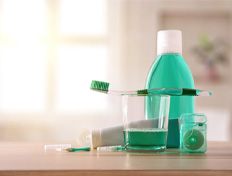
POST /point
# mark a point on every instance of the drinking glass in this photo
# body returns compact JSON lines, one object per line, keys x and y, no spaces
{"x":145,"y":128}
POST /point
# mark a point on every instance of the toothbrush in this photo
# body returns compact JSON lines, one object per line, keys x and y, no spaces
{"x":104,"y":88}
{"x":78,"y":149}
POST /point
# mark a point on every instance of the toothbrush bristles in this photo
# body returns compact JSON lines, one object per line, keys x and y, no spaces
{"x":100,"y":86}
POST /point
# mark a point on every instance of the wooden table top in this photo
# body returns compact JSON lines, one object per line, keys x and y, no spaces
{"x":21,"y":159}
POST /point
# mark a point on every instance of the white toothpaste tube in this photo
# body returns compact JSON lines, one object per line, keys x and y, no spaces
{"x":113,"y":136}
{"x":107,"y":136}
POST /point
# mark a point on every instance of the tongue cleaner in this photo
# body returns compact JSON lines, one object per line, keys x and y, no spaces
{"x":104,"y":88}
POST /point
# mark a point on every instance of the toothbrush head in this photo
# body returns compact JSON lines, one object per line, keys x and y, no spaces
{"x":100,"y":86}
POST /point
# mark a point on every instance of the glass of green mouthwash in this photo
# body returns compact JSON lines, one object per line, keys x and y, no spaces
{"x":193,"y":130}
{"x":145,"y":130}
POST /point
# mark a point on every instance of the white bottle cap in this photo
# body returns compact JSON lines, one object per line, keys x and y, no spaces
{"x":169,"y":41}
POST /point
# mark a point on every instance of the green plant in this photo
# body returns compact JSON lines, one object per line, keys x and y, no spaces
{"x":211,"y":52}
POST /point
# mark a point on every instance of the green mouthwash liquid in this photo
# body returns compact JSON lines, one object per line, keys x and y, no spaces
{"x":170,"y":71}
{"x":152,"y":139}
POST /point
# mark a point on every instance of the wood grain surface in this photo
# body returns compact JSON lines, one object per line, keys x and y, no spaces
{"x":31,"y":159}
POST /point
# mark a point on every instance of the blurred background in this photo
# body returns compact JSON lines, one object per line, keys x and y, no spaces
{"x":50,"y":50}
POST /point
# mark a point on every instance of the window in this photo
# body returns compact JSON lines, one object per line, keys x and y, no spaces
{"x":50,"y":50}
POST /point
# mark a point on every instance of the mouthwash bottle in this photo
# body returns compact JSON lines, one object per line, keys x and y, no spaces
{"x":171,"y":71}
